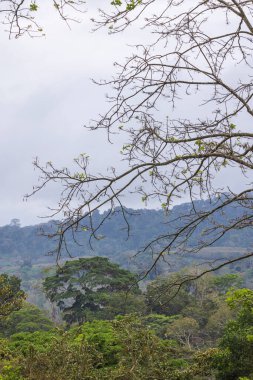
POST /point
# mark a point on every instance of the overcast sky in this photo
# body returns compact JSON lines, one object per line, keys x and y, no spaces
{"x":46,"y":96}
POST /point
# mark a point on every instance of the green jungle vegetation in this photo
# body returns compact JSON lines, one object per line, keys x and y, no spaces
{"x":22,"y":249}
{"x":91,"y":317}
{"x":104,"y":324}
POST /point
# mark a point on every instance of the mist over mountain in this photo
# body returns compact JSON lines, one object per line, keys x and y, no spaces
{"x":114,"y":239}
{"x":24,"y":250}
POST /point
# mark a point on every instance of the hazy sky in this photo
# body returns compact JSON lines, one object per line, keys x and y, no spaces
{"x":46,"y":96}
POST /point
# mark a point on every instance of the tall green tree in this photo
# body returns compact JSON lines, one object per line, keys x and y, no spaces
{"x":85,"y":288}
{"x":11,"y":296}
{"x":235,"y":358}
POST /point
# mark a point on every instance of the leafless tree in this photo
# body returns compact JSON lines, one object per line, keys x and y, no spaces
{"x":21,"y":16}
{"x":199,"y":51}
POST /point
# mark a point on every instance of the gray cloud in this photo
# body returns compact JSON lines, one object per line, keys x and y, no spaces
{"x":46,"y":96}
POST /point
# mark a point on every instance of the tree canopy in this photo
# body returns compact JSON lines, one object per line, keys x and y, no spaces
{"x":87,"y":287}
{"x":205,"y":335}
{"x":28,"y":319}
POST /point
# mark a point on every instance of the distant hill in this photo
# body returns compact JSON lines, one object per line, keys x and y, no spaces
{"x":23,"y":251}
{"x":25,"y":243}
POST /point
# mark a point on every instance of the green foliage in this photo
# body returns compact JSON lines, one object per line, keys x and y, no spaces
{"x":201,"y":366}
{"x":235,"y":358}
{"x":158,"y":323}
{"x":109,"y":350}
{"x":63,"y":360}
{"x":198,"y":311}
{"x":116,"y":2}
{"x":132,"y":347}
{"x":24,"y":342}
{"x":199,"y":297}
{"x":216,"y":322}
{"x":28,"y":319}
{"x":118,"y":303}
{"x":9,"y":363}
{"x":10,"y":372}
{"x":86,"y":287}
{"x":183,"y":329}
{"x":137,"y":346}
{"x":102,"y":336}
{"x":11,"y":296}
{"x":130,"y":5}
{"x":33,"y":7}
{"x":227,"y":281}
{"x":143,"y":355}
{"x":161,"y":297}
{"x":241,"y":300}
{"x":200,"y":144}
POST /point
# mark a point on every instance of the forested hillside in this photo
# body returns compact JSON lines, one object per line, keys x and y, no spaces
{"x":114,"y":239}
{"x":24,"y":251}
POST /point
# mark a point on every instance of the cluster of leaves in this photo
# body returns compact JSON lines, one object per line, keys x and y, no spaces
{"x":28,"y":319}
{"x":11,"y":296}
{"x":120,"y":349}
{"x":130,"y":5}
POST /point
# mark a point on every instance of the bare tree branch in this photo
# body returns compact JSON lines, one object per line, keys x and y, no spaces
{"x":20,"y":16}
{"x":170,"y":157}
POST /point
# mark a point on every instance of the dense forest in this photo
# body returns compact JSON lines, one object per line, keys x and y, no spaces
{"x":102,"y":325}
{"x":91,"y":318}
